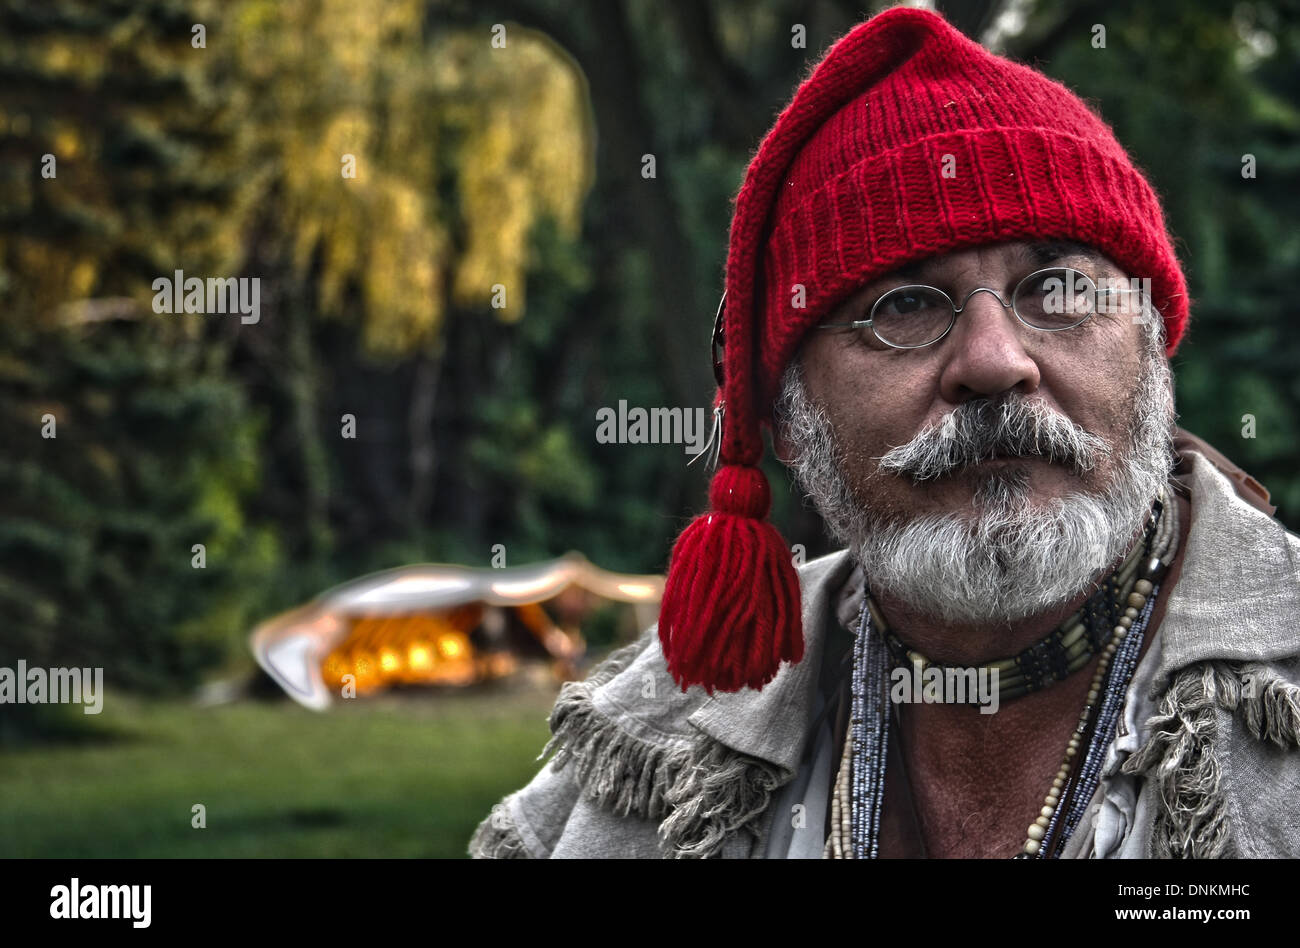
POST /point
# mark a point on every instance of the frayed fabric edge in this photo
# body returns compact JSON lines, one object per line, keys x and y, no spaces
{"x":497,"y":837}
{"x":1269,"y":704}
{"x":700,"y":791}
{"x":1182,"y":759}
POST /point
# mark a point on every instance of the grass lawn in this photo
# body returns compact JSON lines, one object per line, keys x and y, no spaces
{"x":393,"y":776}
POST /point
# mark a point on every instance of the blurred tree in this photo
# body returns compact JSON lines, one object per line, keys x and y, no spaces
{"x":119,"y":157}
{"x":406,"y":169}
{"x":125,"y":442}
{"x":124,"y":451}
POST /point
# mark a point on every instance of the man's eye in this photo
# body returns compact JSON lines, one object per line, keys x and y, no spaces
{"x":902,"y":304}
{"x":912,"y":316}
{"x":912,"y":301}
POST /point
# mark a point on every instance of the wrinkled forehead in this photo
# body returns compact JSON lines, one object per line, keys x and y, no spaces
{"x":1018,"y":258}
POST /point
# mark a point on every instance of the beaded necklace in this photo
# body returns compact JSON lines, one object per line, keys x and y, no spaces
{"x":860,"y":782}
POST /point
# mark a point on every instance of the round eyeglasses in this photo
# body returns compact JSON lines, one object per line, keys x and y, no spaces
{"x":913,"y":316}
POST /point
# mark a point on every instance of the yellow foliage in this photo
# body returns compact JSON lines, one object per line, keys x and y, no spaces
{"x":460,"y":148}
{"x":360,"y":82}
{"x":403,"y":283}
{"x":528,"y":152}
{"x":67,"y":143}
{"x":82,"y":277}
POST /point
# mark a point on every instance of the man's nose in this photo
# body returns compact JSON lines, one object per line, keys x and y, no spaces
{"x":985,"y":353}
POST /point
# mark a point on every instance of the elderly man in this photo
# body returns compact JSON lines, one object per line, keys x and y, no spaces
{"x":1059,"y":626}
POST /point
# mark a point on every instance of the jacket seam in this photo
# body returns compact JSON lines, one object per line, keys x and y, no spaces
{"x":532,"y":842}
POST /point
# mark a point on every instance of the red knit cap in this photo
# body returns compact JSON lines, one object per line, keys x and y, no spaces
{"x":849,"y":184}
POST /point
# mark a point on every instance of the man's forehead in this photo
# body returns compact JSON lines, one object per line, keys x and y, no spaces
{"x":1027,"y":253}
{"x":1033,"y":252}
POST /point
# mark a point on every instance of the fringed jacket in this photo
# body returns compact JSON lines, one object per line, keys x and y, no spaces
{"x":642,"y":769}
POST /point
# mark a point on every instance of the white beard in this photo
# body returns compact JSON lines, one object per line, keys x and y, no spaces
{"x":1015,"y":558}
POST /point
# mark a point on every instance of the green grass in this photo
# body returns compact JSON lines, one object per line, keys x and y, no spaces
{"x":393,"y":776}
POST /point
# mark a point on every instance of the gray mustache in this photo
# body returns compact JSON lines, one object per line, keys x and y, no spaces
{"x":983,"y":429}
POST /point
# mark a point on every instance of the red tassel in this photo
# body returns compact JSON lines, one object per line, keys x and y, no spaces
{"x":730,"y":612}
